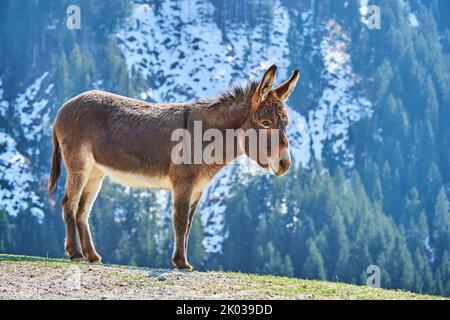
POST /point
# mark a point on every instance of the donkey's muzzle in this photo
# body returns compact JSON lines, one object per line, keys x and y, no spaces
{"x":283,"y":164}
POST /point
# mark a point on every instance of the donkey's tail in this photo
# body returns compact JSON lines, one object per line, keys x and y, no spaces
{"x":55,"y":170}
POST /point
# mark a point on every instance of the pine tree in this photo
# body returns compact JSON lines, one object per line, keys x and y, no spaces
{"x":338,"y":246}
{"x":443,"y":275}
{"x":6,"y":240}
{"x":405,"y":269}
{"x":239,"y":246}
{"x":432,"y":184}
{"x":62,"y":82}
{"x":441,"y":227}
{"x":314,"y":265}
{"x":28,"y":234}
{"x":423,"y":276}
{"x":412,"y":208}
{"x":383,"y":76}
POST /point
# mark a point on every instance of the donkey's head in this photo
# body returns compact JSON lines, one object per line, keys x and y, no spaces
{"x":269,"y":117}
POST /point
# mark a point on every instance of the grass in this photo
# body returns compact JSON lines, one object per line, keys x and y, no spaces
{"x":51,"y":262}
{"x":56,"y":262}
{"x":244,"y":285}
{"x":315,"y":289}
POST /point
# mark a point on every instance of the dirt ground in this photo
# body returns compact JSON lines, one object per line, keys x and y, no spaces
{"x":23,"y":277}
{"x":41,"y":281}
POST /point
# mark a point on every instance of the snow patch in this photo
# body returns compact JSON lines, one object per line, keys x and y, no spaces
{"x":17,"y":179}
{"x":338,"y":108}
{"x":413,"y":21}
{"x":33,"y":112}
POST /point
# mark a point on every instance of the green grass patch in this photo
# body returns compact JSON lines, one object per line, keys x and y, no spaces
{"x":315,"y":289}
{"x":47,"y":262}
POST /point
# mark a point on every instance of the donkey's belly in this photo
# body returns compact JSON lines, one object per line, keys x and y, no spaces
{"x":135,"y":180}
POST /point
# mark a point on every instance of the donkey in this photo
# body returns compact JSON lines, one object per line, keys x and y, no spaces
{"x":99,"y":133}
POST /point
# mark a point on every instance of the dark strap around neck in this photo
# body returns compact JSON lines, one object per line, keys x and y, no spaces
{"x":186,"y":117}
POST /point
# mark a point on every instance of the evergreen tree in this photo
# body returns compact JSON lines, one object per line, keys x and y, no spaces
{"x":239,"y":246}
{"x":314,"y":266}
{"x":441,"y":227}
{"x":6,"y":240}
{"x":443,"y":275}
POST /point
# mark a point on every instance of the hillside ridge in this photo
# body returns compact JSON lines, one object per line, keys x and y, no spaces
{"x":25,"y":277}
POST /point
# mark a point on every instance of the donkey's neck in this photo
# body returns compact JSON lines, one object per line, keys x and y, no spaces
{"x":230,"y":109}
{"x":225,"y":116}
{"x":222,"y":117}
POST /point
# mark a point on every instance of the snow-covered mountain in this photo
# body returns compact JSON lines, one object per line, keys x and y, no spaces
{"x":183,"y":54}
{"x":25,"y":120}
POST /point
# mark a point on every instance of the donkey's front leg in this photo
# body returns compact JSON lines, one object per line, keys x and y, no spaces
{"x":196,"y":196}
{"x":181,"y":205}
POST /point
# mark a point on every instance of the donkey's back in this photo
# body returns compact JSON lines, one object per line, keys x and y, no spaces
{"x":117,"y":132}
{"x":109,"y":114}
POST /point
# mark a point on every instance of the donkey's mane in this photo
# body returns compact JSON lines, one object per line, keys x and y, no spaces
{"x":237,"y":93}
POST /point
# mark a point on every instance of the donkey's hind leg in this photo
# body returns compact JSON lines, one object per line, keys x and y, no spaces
{"x":74,"y":186}
{"x":90,"y":192}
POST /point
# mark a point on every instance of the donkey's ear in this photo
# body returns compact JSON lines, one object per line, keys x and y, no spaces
{"x":284,"y":90}
{"x":264,"y":86}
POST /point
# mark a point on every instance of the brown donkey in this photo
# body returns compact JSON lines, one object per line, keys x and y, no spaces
{"x":99,"y":133}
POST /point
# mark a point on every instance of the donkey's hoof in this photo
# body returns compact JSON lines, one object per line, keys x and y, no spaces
{"x":181,"y":264}
{"x":95,"y":258}
{"x":76,"y":257}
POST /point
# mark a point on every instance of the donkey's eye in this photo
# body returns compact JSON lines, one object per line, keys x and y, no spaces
{"x":266,"y":124}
